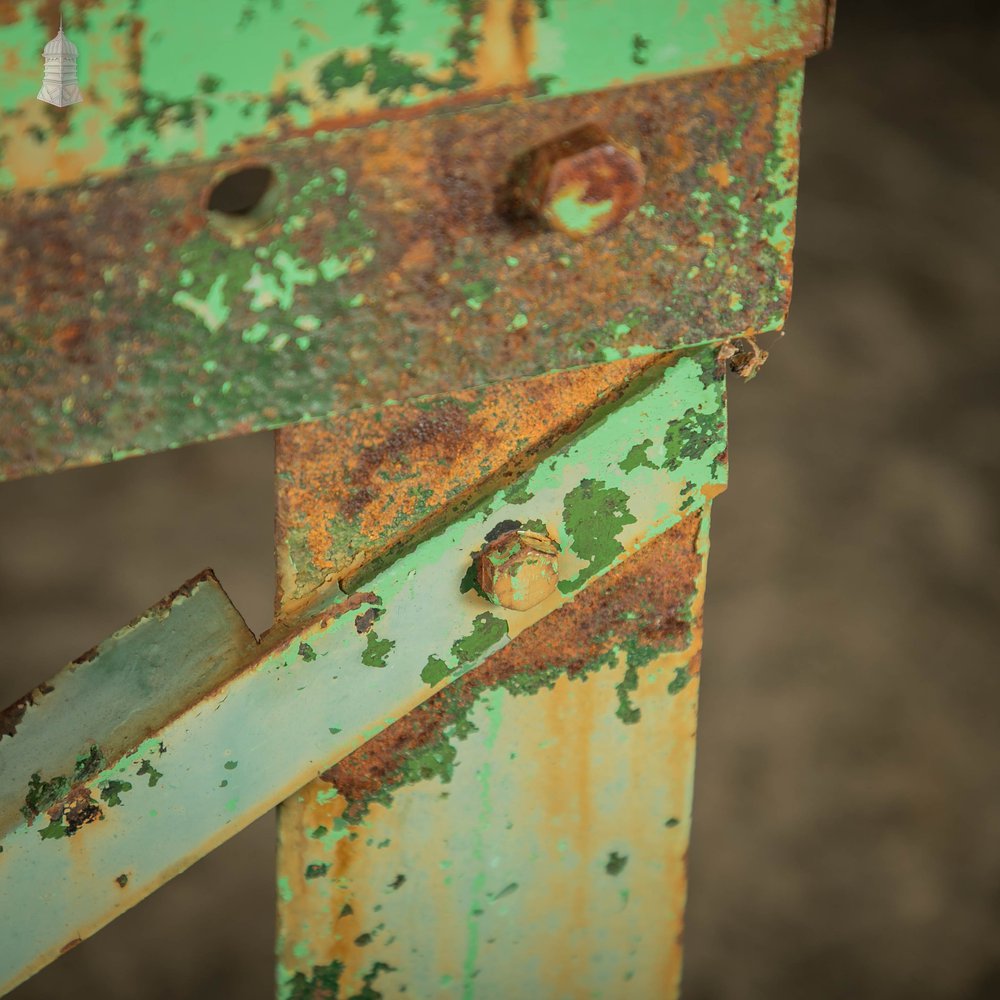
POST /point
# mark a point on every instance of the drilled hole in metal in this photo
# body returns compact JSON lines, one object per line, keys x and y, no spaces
{"x":243,"y":201}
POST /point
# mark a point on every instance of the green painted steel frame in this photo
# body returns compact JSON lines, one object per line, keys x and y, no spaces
{"x":172,"y":81}
{"x":179,"y":730}
{"x":143,"y":801}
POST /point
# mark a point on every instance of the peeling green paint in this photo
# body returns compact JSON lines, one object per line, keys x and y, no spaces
{"x":637,"y":457}
{"x":210,"y":340}
{"x":487,"y":631}
{"x":435,"y":670}
{"x":377,"y":650}
{"x":616,"y":863}
{"x":594,"y":515}
{"x":43,"y":794}
{"x":577,"y":216}
{"x":146,"y":768}
{"x":680,"y":681}
{"x":112,"y":790}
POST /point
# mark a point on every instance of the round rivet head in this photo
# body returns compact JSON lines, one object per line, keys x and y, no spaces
{"x":582,"y":183}
{"x":519,"y":569}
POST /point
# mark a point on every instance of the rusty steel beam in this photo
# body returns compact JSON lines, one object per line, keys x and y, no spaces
{"x":158,"y":90}
{"x":142,"y":791}
{"x":397,"y":262}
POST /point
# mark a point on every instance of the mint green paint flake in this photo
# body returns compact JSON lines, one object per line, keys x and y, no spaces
{"x":256,"y":333}
{"x":580,"y":217}
{"x":212,"y":310}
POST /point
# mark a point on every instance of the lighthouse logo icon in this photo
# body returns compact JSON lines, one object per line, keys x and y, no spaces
{"x":59,"y":86}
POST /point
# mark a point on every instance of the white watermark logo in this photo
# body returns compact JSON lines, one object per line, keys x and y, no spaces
{"x":59,"y":86}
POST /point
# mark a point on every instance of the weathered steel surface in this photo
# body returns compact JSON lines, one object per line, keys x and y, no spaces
{"x":189,"y":79}
{"x":349,"y":490}
{"x":338,"y":675}
{"x":524,"y":832}
{"x":128,"y":324}
{"x":564,"y":767}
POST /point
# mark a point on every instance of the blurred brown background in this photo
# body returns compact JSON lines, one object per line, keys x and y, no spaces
{"x":847,"y":812}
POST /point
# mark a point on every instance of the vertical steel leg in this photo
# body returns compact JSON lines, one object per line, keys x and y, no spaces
{"x":523,"y":832}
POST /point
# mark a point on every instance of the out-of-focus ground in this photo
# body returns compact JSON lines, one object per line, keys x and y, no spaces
{"x":847,"y":814}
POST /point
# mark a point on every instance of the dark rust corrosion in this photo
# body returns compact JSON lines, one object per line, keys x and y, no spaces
{"x":643,"y":607}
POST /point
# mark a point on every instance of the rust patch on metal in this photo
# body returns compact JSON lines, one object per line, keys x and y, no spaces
{"x":744,"y":356}
{"x":644,"y":601}
{"x":75,"y":811}
{"x":364,"y":622}
{"x":10,"y":717}
{"x":743,"y":30}
{"x":334,"y":510}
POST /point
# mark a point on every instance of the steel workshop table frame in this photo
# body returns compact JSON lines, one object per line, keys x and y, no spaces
{"x":485,"y":265}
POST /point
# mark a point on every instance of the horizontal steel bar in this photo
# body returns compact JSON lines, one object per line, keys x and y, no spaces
{"x":106,"y":830}
{"x":127,"y":325}
{"x":157,"y":88}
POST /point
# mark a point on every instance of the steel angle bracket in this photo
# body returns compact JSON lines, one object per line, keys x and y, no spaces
{"x":178,"y":731}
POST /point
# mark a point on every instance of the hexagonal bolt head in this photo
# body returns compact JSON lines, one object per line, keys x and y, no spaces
{"x":581,"y":183}
{"x":519,"y":569}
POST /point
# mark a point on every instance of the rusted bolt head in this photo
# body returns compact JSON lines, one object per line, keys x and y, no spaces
{"x":519,"y":569}
{"x":581,"y":183}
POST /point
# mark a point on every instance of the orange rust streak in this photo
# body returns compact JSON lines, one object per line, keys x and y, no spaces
{"x":312,"y":913}
{"x":742,"y":29}
{"x":720,"y":173}
{"x":501,"y":56}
